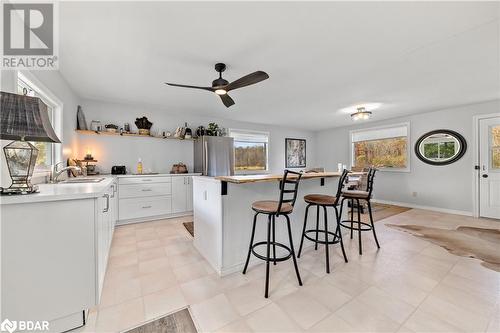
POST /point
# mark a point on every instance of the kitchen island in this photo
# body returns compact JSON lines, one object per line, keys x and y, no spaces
{"x":223,"y":215}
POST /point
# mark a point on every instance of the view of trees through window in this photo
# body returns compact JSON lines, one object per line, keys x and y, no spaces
{"x":389,"y":153}
{"x":440,"y":150}
{"x":250,"y":155}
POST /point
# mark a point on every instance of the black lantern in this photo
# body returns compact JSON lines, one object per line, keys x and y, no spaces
{"x":23,"y":119}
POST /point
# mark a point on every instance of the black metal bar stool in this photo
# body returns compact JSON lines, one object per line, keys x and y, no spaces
{"x":356,"y":195}
{"x":325,"y":201}
{"x":274,"y":209}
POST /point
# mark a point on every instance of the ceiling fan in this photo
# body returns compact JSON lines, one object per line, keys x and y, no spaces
{"x":221,"y":86}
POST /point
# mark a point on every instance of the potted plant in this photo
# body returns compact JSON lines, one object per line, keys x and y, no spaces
{"x":144,"y":125}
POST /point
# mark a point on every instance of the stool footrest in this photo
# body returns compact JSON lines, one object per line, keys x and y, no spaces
{"x":362,"y":225}
{"x":336,"y":238}
{"x":288,"y":256}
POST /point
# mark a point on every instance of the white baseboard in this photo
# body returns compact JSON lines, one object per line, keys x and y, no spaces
{"x":153,"y":218}
{"x":431,"y":208}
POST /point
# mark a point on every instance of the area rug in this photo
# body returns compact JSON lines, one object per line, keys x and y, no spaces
{"x":178,"y":322}
{"x":479,"y":243}
{"x":189,"y":227}
{"x":379,"y":212}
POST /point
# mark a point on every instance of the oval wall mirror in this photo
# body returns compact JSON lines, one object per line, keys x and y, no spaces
{"x":440,"y":147}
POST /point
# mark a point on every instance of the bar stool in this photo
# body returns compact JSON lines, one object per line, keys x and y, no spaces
{"x":356,"y":195}
{"x":325,"y":201}
{"x":275,"y":209}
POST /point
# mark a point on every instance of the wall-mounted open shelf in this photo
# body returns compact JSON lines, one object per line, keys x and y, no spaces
{"x":87,"y":132}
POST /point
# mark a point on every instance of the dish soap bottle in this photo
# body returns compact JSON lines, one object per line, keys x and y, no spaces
{"x":139,"y":166}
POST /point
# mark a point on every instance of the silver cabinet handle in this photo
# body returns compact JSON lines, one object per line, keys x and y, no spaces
{"x":146,"y":190}
{"x":146,"y":180}
{"x":105,"y":210}
{"x":145,"y":207}
{"x":113,"y":187}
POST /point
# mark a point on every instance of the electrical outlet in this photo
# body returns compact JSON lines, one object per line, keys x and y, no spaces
{"x":414,"y":194}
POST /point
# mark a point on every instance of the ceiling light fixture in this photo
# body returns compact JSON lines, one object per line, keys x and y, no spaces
{"x":220,"y":92}
{"x":361,"y":114}
{"x":367,"y":106}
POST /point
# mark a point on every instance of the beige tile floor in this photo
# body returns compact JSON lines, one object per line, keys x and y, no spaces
{"x":409,"y":285}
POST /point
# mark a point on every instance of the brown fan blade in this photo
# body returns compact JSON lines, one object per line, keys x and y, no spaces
{"x":186,"y":86}
{"x":228,"y":101}
{"x":247,"y":80}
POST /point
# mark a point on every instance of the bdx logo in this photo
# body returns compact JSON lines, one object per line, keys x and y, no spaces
{"x":28,"y":29}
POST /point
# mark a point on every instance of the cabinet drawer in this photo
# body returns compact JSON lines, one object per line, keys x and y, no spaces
{"x":145,"y":180}
{"x":144,"y":190}
{"x":133,"y":208}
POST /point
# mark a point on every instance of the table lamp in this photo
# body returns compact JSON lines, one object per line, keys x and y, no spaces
{"x":23,"y":119}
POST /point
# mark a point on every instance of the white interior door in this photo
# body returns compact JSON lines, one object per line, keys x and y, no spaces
{"x":489,"y":173}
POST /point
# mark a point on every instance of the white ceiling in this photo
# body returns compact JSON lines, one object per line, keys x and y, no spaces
{"x":321,"y":57}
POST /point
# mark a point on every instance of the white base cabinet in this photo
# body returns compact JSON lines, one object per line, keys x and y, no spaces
{"x":147,"y":197}
{"x":106,"y":220}
{"x":54,"y":256}
{"x":182,"y":190}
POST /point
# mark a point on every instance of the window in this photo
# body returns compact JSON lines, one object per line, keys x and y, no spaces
{"x":47,"y":152}
{"x":440,"y":147}
{"x":495,"y":147}
{"x":250,"y":151}
{"x":384,"y":147}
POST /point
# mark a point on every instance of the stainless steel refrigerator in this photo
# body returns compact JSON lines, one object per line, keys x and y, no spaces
{"x":214,"y":156}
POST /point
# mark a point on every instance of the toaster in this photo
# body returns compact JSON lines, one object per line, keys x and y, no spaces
{"x":118,"y":170}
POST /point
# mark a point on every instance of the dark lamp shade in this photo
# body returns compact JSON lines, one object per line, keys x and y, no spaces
{"x":25,"y":118}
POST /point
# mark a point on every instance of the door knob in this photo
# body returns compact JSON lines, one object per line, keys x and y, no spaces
{"x":485,"y":176}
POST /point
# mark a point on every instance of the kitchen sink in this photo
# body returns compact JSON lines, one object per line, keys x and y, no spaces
{"x":82,"y":180}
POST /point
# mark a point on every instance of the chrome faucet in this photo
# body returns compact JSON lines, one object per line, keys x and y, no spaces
{"x":55,"y":173}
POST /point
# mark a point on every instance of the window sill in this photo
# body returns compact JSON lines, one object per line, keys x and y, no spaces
{"x":407,"y":170}
{"x":249,"y":173}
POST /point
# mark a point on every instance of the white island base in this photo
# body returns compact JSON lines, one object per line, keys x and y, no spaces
{"x":223,"y":217}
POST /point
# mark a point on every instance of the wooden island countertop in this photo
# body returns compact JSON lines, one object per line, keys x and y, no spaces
{"x":270,"y":178}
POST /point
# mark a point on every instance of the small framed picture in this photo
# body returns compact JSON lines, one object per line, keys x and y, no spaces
{"x":295,"y":153}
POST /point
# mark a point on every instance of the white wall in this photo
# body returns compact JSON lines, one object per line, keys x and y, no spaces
{"x":159,"y":155}
{"x":57,"y":86}
{"x":446,"y":187}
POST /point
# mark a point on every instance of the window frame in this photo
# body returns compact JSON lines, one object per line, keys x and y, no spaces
{"x":244,"y":131}
{"x":408,"y":145}
{"x":57,"y":122}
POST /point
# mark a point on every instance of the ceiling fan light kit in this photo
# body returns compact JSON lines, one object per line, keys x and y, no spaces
{"x":361,"y":114}
{"x":221,"y":86}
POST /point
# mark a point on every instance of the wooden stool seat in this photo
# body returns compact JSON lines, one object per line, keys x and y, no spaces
{"x":320,"y":199}
{"x":268,"y":206}
{"x":355,"y":194}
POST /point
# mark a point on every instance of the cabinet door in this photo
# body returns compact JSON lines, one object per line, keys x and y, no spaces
{"x":189,"y":194}
{"x":179,"y":194}
{"x":101,"y":235}
{"x":114,"y":209}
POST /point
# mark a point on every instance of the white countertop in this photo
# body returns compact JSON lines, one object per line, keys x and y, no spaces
{"x":60,"y":191}
{"x":157,"y":175}
{"x":73,"y":191}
